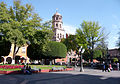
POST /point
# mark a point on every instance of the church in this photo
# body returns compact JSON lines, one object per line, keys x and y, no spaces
{"x":57,"y":27}
{"x":59,"y":33}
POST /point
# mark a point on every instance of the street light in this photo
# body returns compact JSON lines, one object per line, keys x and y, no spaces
{"x":81,"y":51}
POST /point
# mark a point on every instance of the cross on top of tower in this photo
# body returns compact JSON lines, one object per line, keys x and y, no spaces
{"x":56,"y":10}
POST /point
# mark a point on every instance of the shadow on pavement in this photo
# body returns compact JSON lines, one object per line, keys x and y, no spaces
{"x":58,"y":78}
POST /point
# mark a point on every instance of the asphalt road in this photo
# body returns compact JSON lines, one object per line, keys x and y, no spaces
{"x":89,"y":76}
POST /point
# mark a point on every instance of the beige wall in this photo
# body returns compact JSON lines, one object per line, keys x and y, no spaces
{"x":22,"y":52}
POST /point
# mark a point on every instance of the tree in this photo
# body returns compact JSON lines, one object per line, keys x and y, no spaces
{"x":33,"y":52}
{"x":86,"y":55}
{"x":102,"y":45}
{"x":5,"y":47}
{"x":118,"y":43}
{"x":18,"y":24}
{"x":103,"y":48}
{"x":89,"y":34}
{"x":56,"y":50}
{"x":70,"y":42}
{"x":97,"y":54}
{"x":36,"y":51}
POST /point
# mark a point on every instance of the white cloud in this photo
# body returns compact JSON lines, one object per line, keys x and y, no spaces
{"x":69,"y":29}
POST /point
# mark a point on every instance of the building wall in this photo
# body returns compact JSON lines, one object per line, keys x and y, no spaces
{"x":22,"y":53}
{"x":114,"y":53}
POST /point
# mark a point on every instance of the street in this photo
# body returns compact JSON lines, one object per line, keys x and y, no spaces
{"x":89,"y":76}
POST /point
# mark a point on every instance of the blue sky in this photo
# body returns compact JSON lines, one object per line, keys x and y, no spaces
{"x":106,"y":12}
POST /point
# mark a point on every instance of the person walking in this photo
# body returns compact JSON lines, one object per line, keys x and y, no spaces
{"x":118,"y":66}
{"x":110,"y":67}
{"x":103,"y":67}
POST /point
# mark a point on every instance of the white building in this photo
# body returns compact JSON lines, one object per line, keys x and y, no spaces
{"x":57,"y":27}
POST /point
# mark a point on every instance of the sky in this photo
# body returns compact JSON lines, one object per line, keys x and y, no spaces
{"x":105,"y":12}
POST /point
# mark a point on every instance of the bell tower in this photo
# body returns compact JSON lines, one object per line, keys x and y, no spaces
{"x":57,"y":27}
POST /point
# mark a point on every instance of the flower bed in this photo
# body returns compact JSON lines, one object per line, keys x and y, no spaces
{"x":35,"y":71}
{"x":15,"y":69}
{"x":10,"y":67}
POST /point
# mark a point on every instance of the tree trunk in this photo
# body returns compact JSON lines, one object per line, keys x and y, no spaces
{"x":92,"y":56}
{"x":54,"y":61}
{"x":92,"y":53}
{"x":17,"y":50}
{"x":14,"y":54}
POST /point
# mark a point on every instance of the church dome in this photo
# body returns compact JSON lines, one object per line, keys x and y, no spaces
{"x":57,"y":14}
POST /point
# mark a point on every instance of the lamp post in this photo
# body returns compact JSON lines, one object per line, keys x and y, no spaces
{"x":81,"y":51}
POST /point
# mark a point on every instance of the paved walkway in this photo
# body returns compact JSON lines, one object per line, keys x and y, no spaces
{"x":89,"y":76}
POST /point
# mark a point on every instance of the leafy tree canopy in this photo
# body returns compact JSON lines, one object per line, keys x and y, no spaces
{"x":97,"y":53}
{"x":70,"y":42}
{"x":88,"y":35}
{"x":36,"y":51}
{"x":19,"y":24}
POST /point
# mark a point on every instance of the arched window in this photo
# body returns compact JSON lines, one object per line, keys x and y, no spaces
{"x":56,"y":18}
{"x":59,"y":18}
{"x":56,"y":25}
{"x":60,"y":35}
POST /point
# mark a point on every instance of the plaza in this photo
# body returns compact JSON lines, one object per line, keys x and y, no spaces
{"x":77,"y":44}
{"x":89,"y":76}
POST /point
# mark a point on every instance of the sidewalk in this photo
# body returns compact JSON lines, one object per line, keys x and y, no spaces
{"x":87,"y":69}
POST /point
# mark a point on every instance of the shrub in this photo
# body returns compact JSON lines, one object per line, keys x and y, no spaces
{"x":115,"y":60}
{"x":56,"y":50}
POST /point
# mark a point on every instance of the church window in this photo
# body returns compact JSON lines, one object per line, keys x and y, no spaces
{"x":23,"y":49}
{"x":58,"y":36}
{"x":56,"y":25}
{"x":56,"y":18}
{"x":59,"y":18}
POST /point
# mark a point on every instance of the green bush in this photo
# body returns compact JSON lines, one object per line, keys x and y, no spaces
{"x":56,"y":50}
{"x":115,"y":60}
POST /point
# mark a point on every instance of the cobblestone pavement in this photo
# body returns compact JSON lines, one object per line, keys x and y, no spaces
{"x":89,"y":76}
